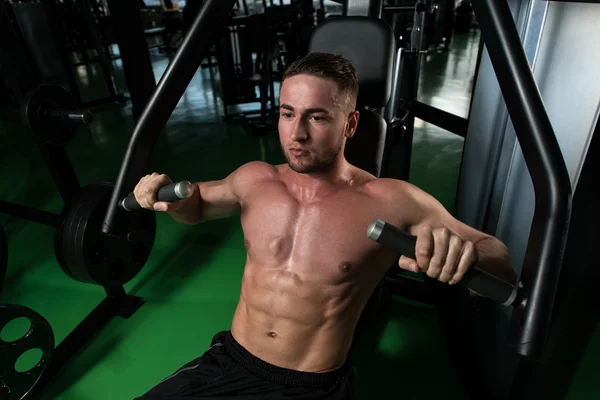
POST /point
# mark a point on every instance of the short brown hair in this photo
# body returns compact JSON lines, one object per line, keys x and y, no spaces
{"x":328,"y":66}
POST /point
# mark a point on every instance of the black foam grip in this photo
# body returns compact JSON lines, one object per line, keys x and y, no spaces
{"x":476,"y":279}
{"x":166,"y":193}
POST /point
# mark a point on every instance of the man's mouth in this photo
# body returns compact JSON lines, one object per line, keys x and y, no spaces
{"x":298,"y":152}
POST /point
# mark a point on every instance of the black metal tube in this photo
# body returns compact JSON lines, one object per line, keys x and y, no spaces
{"x":171,"y":87}
{"x":443,"y":119}
{"x":28,"y":213}
{"x":398,"y":9}
{"x":543,"y":259}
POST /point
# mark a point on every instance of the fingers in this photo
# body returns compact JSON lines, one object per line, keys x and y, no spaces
{"x":441,"y":244}
{"x":424,"y":247}
{"x":468,"y":259}
{"x":455,"y":251}
{"x":408,"y":264}
{"x":441,"y":255}
{"x":146,"y":190}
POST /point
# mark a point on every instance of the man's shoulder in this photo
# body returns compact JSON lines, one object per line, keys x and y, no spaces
{"x":253,"y":173}
{"x":257,"y":170}
{"x":389,"y":187}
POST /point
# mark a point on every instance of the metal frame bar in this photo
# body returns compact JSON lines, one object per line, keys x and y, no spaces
{"x":171,"y":87}
{"x":28,"y":213}
{"x":548,"y":171}
{"x":443,"y":119}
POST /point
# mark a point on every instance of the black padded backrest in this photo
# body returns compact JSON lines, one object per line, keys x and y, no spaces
{"x":365,"y":149}
{"x":369,"y":43}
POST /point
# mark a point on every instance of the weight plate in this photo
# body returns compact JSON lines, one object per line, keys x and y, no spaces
{"x":33,"y":113}
{"x":3,"y":257}
{"x":88,"y":255}
{"x":40,"y":336}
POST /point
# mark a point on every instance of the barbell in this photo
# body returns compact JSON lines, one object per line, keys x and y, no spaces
{"x":50,"y":112}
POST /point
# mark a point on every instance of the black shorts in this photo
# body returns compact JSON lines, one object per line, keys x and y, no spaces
{"x":228,"y":371}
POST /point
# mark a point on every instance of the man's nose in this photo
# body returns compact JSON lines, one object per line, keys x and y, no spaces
{"x":299,"y":131}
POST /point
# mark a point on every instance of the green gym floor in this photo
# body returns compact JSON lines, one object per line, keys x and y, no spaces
{"x":191,"y":282}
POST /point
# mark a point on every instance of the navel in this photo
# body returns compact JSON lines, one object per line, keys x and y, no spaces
{"x":345,"y":266}
{"x":272,"y":335}
{"x":247,"y":244}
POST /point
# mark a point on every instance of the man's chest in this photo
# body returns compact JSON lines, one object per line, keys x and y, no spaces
{"x":329,"y":233}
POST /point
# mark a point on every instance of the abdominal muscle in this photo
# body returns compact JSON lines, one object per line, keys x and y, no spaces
{"x":289,"y":320}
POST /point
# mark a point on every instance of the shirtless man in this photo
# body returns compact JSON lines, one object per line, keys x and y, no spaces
{"x":310,"y":266}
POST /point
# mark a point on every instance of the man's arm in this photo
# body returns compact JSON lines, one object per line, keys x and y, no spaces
{"x":216,"y":199}
{"x":447,"y":248}
{"x":209,"y":200}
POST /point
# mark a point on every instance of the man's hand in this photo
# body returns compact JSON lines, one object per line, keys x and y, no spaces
{"x":146,"y":192}
{"x":441,"y":254}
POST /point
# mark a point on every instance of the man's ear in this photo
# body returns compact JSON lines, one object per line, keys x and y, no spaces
{"x":352,"y":124}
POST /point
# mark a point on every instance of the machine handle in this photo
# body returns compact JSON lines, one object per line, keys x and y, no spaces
{"x":476,"y":279}
{"x":170,"y":192}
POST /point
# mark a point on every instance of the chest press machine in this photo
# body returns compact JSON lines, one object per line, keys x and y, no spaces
{"x":361,"y":35}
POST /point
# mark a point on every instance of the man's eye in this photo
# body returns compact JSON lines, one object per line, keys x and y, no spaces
{"x":286,"y":115}
{"x":318,"y":119}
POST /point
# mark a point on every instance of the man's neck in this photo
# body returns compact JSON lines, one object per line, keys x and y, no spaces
{"x":316,"y":185}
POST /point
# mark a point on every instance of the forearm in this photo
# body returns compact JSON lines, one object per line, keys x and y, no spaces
{"x":493,"y":257}
{"x":210,"y":200}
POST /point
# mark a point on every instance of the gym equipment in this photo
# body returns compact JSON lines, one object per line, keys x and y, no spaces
{"x":19,"y":385}
{"x":50,"y":112}
{"x":3,"y":256}
{"x":171,"y":192}
{"x":497,"y":193}
{"x":546,"y":165}
{"x":87,"y":255}
{"x":83,"y":252}
{"x":209,"y":21}
{"x":475,"y":279}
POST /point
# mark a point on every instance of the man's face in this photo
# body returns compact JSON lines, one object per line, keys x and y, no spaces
{"x":313,"y":123}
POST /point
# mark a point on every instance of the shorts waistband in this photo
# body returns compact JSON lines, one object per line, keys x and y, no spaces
{"x":278,"y":375}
